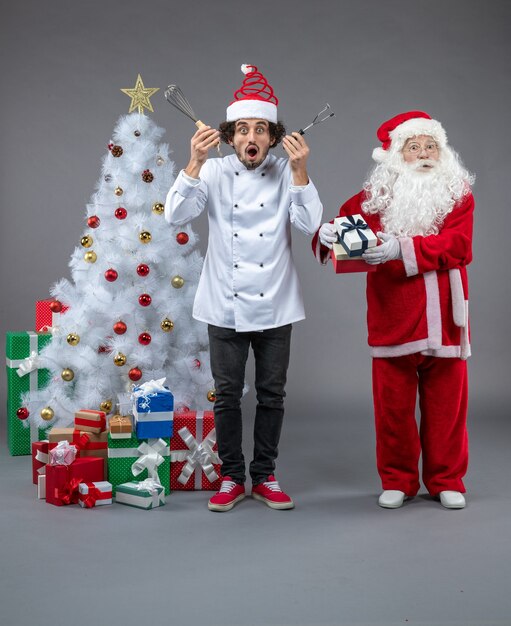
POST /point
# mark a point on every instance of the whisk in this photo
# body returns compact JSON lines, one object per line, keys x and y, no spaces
{"x":316,"y":121}
{"x":177,"y":99}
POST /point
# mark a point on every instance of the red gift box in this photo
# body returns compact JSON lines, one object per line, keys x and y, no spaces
{"x":349,"y":265}
{"x":90,"y":421}
{"x":62,"y":480}
{"x":39,"y":459}
{"x":194,"y":462}
{"x":45,"y":317}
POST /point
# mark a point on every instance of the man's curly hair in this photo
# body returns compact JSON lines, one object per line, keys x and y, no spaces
{"x":277,"y":132}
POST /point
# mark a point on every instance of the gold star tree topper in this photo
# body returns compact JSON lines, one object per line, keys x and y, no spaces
{"x":140,"y":96}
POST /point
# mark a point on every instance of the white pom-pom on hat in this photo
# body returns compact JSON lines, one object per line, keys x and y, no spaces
{"x":246,"y":68}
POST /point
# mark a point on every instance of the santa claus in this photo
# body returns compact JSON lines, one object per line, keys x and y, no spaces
{"x":418,"y":200}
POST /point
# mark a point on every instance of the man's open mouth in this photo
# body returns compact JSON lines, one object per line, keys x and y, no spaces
{"x":252,"y":151}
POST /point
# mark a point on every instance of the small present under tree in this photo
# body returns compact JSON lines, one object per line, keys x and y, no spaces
{"x":130,"y":299}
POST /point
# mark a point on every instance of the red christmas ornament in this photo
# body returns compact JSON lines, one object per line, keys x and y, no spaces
{"x":56,"y":306}
{"x":144,"y":299}
{"x":143,"y":269}
{"x":93,"y":221}
{"x":110,"y":145}
{"x":111,"y":275}
{"x":121,"y":213}
{"x":197,"y":363}
{"x":135,"y":374}
{"x":22,"y":413}
{"x":104,"y":349}
{"x":144,"y":339}
{"x":120,"y":328}
{"x":182,"y":238}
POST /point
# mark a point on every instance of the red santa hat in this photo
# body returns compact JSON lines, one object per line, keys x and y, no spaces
{"x":394,"y":132}
{"x":254,"y":99}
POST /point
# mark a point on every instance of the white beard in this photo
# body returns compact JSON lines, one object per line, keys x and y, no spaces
{"x":413,"y":202}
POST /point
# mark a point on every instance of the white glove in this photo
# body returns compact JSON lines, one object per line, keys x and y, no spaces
{"x":328,"y":235}
{"x":388,"y":251}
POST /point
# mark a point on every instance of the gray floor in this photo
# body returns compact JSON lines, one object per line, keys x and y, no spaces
{"x":336,"y":559}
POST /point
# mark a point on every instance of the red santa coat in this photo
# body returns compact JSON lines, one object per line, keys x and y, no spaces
{"x":419,"y":304}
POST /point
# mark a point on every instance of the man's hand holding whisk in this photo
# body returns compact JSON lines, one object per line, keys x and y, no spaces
{"x":298,"y":153}
{"x":203,"y":140}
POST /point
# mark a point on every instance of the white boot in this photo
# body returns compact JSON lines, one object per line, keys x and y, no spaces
{"x":391,"y":499}
{"x":452,"y":500}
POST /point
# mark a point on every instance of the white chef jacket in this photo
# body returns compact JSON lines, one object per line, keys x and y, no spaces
{"x":248,"y":281}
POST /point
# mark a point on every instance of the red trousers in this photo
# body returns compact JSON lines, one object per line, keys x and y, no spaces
{"x":442,"y":385}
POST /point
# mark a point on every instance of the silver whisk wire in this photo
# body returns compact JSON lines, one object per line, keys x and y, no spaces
{"x":316,"y":121}
{"x":176,"y":98}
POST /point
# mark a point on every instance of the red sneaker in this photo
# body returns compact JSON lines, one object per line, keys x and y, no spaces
{"x":228,"y":495}
{"x":271,"y":494}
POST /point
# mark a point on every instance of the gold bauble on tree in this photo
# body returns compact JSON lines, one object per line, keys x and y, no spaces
{"x":158,"y":208}
{"x":47,"y":413}
{"x":120,"y":359}
{"x":67,"y":374}
{"x":145,"y":236}
{"x":177,"y":282}
{"x":90,"y":257}
{"x":167,"y":325}
{"x":73,"y":339}
{"x":87,"y":241}
{"x":211,"y":395}
{"x":118,"y":191}
{"x":106,"y":406}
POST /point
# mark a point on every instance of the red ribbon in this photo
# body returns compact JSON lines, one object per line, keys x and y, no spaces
{"x":83,"y":421}
{"x":90,"y":499}
{"x":68,"y":494}
{"x":82,"y":442}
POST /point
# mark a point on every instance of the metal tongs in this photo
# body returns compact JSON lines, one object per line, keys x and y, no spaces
{"x":316,"y":121}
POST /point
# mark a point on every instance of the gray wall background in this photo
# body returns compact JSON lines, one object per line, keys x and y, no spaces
{"x":64,"y":63}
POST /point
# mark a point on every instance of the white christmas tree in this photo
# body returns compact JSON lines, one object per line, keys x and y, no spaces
{"x":134,"y":278}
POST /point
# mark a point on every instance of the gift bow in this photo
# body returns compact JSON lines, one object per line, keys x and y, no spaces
{"x":148,"y":390}
{"x":69,"y":492}
{"x":30,"y":364}
{"x":63,"y":454}
{"x":94,"y":494}
{"x":353,"y":224}
{"x":201,"y":454}
{"x":151,"y":485}
{"x":150,"y":459}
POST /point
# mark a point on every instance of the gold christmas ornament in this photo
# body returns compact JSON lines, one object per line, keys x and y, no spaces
{"x":106,"y":406}
{"x":67,"y":374}
{"x":145,"y":236}
{"x":73,"y":339}
{"x":90,"y":257}
{"x":120,"y":359}
{"x":87,"y":241}
{"x":177,"y":282}
{"x":118,"y":191}
{"x":211,"y":395}
{"x":140,"y":96}
{"x":167,"y":325}
{"x":47,"y":413}
{"x":158,"y":208}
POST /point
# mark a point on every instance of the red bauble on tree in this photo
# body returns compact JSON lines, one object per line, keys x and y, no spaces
{"x":143,"y":269}
{"x":56,"y":306}
{"x":144,"y":338}
{"x":197,"y":363}
{"x":111,"y":275}
{"x":22,"y":413}
{"x":135,"y":374}
{"x":93,"y":221}
{"x":121,"y":213}
{"x":182,"y":238}
{"x":120,"y":328}
{"x":144,"y":299}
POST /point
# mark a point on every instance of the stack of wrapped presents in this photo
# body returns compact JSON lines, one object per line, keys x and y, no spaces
{"x":135,"y":456}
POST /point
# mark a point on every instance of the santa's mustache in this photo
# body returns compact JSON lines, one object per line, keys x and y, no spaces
{"x":422,"y":164}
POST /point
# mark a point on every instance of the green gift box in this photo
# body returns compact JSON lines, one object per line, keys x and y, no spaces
{"x":20,"y":348}
{"x":144,"y":495}
{"x":123,"y":454}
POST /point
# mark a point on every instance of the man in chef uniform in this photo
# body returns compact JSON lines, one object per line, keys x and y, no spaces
{"x":248,"y":292}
